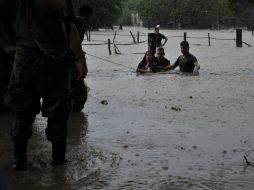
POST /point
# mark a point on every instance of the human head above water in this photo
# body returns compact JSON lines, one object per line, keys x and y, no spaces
{"x":184,"y":47}
{"x":149,"y":56}
{"x":157,"y":29}
{"x":160,"y":52}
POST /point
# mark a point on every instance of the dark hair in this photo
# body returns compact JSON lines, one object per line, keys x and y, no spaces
{"x":161,"y":49}
{"x":144,"y":58}
{"x":185,"y":44}
{"x":85,"y":10}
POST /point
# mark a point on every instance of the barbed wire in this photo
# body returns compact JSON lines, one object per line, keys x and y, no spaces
{"x":119,"y":44}
{"x":180,"y":36}
{"x":112,"y":62}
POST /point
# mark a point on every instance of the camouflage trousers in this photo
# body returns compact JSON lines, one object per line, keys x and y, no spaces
{"x":36,"y":77}
{"x":6,"y":64}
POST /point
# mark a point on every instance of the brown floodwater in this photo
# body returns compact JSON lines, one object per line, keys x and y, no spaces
{"x":158,"y":132}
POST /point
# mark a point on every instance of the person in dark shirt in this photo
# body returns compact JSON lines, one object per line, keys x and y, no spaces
{"x":147,"y":64}
{"x":187,"y":62}
{"x":161,"y":62}
{"x":159,"y":37}
{"x":155,"y":39}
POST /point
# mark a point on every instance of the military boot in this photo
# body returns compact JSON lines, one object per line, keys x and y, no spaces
{"x":20,"y":158}
{"x":58,"y":152}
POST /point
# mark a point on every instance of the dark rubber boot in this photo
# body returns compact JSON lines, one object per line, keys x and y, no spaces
{"x":58,"y":152}
{"x":20,"y":159}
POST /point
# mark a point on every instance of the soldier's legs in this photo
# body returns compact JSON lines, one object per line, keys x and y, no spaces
{"x":56,"y":132}
{"x":57,"y":109}
{"x":20,"y":134}
{"x":6,"y":64}
{"x":24,"y":100}
{"x":55,"y":91}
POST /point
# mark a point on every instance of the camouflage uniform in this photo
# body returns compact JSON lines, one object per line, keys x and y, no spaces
{"x":6,"y":59}
{"x":34,"y":77}
{"x":6,"y":63}
{"x":41,"y":71}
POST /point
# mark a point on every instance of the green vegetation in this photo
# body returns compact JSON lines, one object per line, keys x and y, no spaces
{"x":106,"y":12}
{"x":214,"y":14}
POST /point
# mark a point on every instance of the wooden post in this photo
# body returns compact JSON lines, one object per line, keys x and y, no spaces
{"x":138,"y":37}
{"x":252,"y":28}
{"x":89,"y":34}
{"x":114,"y":37}
{"x":209,"y":40}
{"x":134,"y":40}
{"x":184,"y":36}
{"x":109,"y":47}
{"x":239,"y":42}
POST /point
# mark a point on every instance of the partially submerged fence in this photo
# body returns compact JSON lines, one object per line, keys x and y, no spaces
{"x":136,"y":40}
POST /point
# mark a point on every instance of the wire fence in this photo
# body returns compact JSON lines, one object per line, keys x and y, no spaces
{"x":136,"y":40}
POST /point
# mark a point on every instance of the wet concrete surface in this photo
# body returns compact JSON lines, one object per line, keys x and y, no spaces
{"x":159,"y":132}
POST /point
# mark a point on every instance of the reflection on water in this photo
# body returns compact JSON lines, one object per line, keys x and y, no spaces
{"x":86,"y":168}
{"x":77,"y":127}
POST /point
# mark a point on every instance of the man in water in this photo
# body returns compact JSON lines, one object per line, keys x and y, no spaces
{"x":159,"y":37}
{"x":155,"y":39}
{"x":161,"y":62}
{"x":187,"y":62}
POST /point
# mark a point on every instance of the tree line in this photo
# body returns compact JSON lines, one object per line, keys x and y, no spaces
{"x":213,"y":14}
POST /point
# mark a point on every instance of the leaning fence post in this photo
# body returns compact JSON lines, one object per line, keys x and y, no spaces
{"x":109,"y":47}
{"x":114,"y":37}
{"x":209,"y":40}
{"x":184,"y":36}
{"x":134,"y":40}
{"x":239,"y":38}
{"x":138,"y":37}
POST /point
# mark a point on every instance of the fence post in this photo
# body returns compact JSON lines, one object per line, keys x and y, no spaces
{"x":114,"y":37}
{"x":184,"y":36}
{"x":109,"y":47}
{"x":209,"y":40}
{"x":134,"y":40}
{"x":89,"y":34}
{"x":138,"y":37}
{"x":239,"y":42}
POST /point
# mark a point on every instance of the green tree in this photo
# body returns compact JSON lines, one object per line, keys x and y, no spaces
{"x":105,"y":12}
{"x":129,"y":7}
{"x":243,"y":12}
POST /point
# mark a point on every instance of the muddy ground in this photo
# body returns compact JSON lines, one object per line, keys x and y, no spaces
{"x":158,"y":132}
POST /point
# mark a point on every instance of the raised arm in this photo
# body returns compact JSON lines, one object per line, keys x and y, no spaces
{"x":165,"y":41}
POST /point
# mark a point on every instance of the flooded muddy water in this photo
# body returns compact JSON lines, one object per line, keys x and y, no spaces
{"x":158,"y":132}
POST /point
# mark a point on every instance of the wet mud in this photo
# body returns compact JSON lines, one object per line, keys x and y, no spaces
{"x":158,"y":132}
